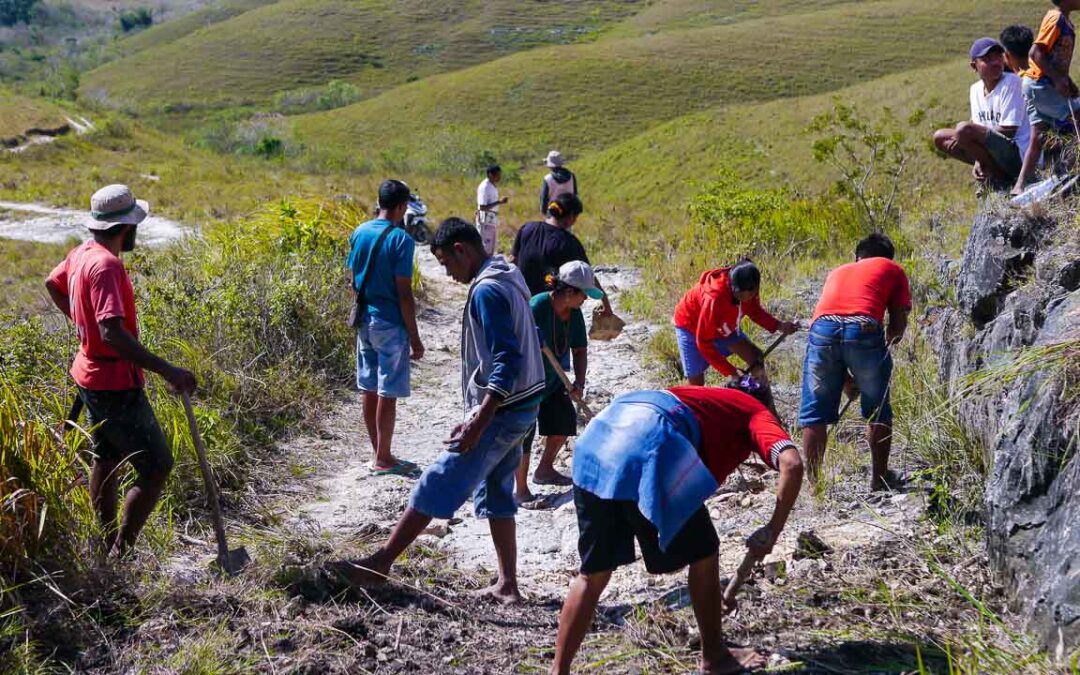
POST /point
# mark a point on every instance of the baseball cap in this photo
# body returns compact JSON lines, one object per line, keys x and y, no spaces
{"x":984,"y":46}
{"x":115,"y":205}
{"x":579,"y":275}
{"x":393,"y":193}
{"x":745,"y":276}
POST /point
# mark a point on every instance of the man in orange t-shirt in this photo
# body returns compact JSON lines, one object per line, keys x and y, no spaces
{"x":92,"y":288}
{"x":848,"y":335}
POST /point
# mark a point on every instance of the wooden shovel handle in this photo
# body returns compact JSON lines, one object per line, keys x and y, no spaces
{"x":550,"y":356}
{"x":208,"y":478}
{"x":743,"y":573}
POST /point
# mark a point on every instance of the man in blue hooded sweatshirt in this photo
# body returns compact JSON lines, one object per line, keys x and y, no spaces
{"x":502,"y":382}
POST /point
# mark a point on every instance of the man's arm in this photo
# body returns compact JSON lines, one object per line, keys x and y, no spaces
{"x":59,"y":297}
{"x":760,"y":315}
{"x":544,"y":198}
{"x":407,"y":302}
{"x":787,"y":491}
{"x":898,"y":321}
{"x":1040,"y":56}
{"x":128,"y":347}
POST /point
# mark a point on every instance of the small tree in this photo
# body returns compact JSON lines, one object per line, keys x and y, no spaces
{"x":14,"y":11}
{"x":871,"y":157}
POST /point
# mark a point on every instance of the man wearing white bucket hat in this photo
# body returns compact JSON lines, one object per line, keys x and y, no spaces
{"x":559,"y":181}
{"x":92,"y":288}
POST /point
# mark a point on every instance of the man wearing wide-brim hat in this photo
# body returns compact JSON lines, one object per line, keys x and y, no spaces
{"x":93,"y":289}
{"x":559,"y":181}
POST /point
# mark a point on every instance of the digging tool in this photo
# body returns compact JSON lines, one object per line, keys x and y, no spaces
{"x":74,"y":411}
{"x":605,"y":325}
{"x":743,"y":573}
{"x":550,"y":356}
{"x":231,"y":562}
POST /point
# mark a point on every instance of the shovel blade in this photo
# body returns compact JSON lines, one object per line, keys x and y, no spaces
{"x":234,"y":563}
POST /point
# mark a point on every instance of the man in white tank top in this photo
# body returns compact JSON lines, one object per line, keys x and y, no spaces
{"x":487,"y":208}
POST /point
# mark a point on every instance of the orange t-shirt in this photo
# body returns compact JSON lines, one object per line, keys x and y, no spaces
{"x":865,"y":288}
{"x":1057,"y":36}
{"x":98,"y":288}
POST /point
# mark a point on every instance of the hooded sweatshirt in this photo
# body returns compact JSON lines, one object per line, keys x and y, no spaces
{"x":709,"y":311}
{"x":500,"y":348}
{"x":561,"y":180}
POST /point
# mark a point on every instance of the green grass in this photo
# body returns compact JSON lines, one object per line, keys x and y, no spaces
{"x":375,"y":44}
{"x":19,"y":113}
{"x":616,"y":88}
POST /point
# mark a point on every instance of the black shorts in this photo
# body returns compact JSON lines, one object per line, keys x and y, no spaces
{"x":607,"y":529}
{"x":127,"y":429}
{"x":557,"y":417}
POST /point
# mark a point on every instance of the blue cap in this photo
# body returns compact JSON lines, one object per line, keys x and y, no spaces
{"x":984,"y":46}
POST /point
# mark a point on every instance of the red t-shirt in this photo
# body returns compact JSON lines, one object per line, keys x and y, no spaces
{"x":733,"y":424}
{"x":98,"y":288}
{"x":865,"y":288}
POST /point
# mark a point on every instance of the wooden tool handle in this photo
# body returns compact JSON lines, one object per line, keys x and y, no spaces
{"x":743,"y":573}
{"x":208,"y":478}
{"x":550,"y":355}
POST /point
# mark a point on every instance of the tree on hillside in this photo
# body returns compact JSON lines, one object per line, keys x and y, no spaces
{"x":14,"y":11}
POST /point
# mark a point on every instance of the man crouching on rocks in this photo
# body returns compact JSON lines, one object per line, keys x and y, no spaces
{"x":502,"y":383}
{"x":643,"y":469}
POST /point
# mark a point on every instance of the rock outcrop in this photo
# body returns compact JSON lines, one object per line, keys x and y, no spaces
{"x":1018,"y":325}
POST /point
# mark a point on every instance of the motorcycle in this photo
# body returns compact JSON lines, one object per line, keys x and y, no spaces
{"x":416,"y":222}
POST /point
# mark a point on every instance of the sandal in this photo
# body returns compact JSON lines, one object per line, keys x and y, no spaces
{"x":406,"y":469}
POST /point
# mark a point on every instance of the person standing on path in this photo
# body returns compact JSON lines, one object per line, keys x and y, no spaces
{"x":541,"y":247}
{"x":708,"y":318}
{"x":848,"y":335}
{"x":92,"y":288}
{"x":387,"y":337}
{"x":558,"y":181}
{"x":562,"y":330}
{"x":502,"y":382}
{"x":487,"y":208}
{"x":643,"y":469}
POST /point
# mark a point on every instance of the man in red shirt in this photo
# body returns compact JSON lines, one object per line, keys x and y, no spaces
{"x":92,"y":288}
{"x":707,"y":321}
{"x":848,"y":335}
{"x":642,"y":470}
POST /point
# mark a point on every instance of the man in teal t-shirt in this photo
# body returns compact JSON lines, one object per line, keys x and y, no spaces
{"x":562,"y":330}
{"x":387,"y":336}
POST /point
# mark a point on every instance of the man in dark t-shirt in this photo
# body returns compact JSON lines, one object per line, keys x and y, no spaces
{"x":542,"y":247}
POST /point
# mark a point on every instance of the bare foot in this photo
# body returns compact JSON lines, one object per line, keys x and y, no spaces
{"x":369,"y":571}
{"x":523,"y":497}
{"x":501,"y":592}
{"x":733,"y":661}
{"x":378,"y":465}
{"x":552,"y":477}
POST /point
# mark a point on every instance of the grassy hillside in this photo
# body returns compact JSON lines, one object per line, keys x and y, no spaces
{"x":616,"y":88}
{"x":19,"y":113}
{"x":375,"y":44}
{"x":175,"y":29}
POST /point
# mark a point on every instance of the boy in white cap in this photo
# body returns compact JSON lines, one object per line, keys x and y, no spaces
{"x":558,"y":181}
{"x":558,"y":317}
{"x":92,"y":288}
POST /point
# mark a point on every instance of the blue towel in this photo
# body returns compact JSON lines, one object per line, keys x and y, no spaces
{"x":643,"y":448}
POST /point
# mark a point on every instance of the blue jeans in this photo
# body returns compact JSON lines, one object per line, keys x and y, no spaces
{"x":382,"y":358}
{"x":833,"y":349}
{"x":486,"y":471}
{"x":693,"y":362}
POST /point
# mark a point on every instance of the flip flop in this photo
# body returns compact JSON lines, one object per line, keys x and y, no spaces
{"x":539,"y":502}
{"x":400,"y":469}
{"x":561,"y":481}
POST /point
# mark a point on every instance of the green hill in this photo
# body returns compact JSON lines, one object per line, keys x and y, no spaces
{"x":20,"y":113}
{"x":588,"y":97}
{"x":377,"y":45}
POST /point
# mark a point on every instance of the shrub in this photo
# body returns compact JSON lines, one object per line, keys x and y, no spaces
{"x":15,"y":11}
{"x":134,"y":19}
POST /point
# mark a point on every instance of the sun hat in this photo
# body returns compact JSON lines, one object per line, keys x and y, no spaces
{"x":579,"y":275}
{"x":554,"y":160}
{"x":984,"y":46}
{"x":115,"y":205}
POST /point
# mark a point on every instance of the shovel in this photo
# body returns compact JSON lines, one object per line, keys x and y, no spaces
{"x":550,"y":356}
{"x":231,"y":562}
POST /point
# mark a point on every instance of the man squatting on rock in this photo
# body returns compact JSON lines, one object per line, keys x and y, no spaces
{"x":643,"y":469}
{"x":92,"y":288}
{"x":502,"y":382}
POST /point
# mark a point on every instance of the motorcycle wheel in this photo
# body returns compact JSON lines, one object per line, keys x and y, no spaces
{"x":419,"y":231}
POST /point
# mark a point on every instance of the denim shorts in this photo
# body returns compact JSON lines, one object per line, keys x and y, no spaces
{"x":382,"y":358}
{"x":127,"y":429}
{"x":833,"y":349}
{"x":1045,"y":105}
{"x":693,"y":363}
{"x":486,"y":471}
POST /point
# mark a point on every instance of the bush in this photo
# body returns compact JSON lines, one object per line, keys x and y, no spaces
{"x":134,"y":19}
{"x":15,"y":11}
{"x":334,"y":94}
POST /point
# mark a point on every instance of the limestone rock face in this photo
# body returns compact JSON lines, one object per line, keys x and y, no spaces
{"x":1017,"y":288}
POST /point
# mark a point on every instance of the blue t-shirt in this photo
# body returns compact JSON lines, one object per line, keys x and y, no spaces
{"x":394,"y":259}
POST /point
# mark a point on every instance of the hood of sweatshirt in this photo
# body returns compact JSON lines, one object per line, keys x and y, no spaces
{"x":717,"y":283}
{"x":498,"y":268}
{"x":561,"y":174}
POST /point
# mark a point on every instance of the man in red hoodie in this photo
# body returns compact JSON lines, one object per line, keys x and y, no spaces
{"x":707,"y":323}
